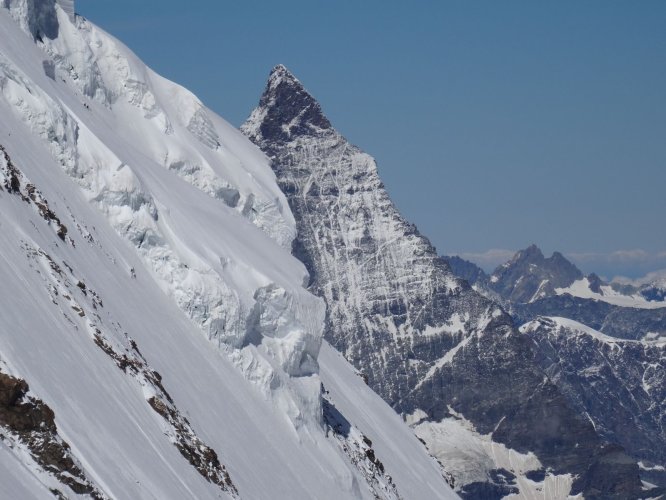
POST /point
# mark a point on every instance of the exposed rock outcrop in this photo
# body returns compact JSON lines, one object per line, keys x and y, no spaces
{"x":28,"y":421}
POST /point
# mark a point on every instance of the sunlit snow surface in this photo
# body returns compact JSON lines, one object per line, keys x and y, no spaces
{"x":177,"y":247}
{"x":581,"y":288}
{"x":471,"y":457}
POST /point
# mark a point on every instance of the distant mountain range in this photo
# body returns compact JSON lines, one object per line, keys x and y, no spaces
{"x":603,"y":344}
{"x":530,"y":276}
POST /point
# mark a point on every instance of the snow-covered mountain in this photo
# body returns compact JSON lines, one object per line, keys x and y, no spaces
{"x":529,"y":277}
{"x":445,"y":357}
{"x":530,"y":285}
{"x":619,"y":384}
{"x":602,"y":344}
{"x":156,"y":340}
{"x":651,"y":287}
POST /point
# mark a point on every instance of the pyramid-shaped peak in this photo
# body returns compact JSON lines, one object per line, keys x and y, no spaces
{"x":286,"y":111}
{"x":280,"y":74}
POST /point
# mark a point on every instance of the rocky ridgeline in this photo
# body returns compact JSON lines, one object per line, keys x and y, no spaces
{"x":530,"y":276}
{"x":531,"y":285}
{"x":609,"y":360}
{"x":425,"y":340}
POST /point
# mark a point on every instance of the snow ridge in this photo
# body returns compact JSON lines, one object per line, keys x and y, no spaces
{"x":160,"y":262}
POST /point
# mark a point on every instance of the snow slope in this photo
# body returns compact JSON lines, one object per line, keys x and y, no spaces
{"x":392,"y":438}
{"x":581,"y":288}
{"x":149,"y":298}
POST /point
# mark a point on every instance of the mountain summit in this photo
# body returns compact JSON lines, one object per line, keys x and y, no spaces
{"x":447,"y":359}
{"x":285,"y":110}
{"x":530,"y":276}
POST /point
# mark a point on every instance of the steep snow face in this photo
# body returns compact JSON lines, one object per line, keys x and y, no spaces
{"x":427,"y":343}
{"x":106,"y":121}
{"x":68,"y":7}
{"x":619,"y":384}
{"x":160,"y":118}
{"x":108,"y":146}
{"x":391,"y":438}
{"x":148,"y":300}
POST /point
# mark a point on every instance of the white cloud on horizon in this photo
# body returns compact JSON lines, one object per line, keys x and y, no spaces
{"x":629,"y":255}
{"x":648,"y":278}
{"x":642,"y":265}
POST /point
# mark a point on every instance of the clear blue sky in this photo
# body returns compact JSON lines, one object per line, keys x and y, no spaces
{"x":495,"y":124}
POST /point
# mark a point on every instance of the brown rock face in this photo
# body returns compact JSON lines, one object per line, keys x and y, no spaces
{"x":31,"y":422}
{"x":20,"y":415}
{"x":11,"y":390}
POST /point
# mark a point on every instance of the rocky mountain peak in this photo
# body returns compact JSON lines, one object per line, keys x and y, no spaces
{"x":286,"y":109}
{"x":530,"y":276}
{"x":280,"y":74}
{"x":595,"y":283}
{"x":532,"y":254}
{"x":532,"y":251}
{"x":422,"y":338}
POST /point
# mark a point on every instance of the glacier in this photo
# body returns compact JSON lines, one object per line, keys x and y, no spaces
{"x":152,"y":315}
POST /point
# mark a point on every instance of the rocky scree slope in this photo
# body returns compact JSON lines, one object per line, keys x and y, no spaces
{"x":438,"y":352}
{"x":156,"y":340}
